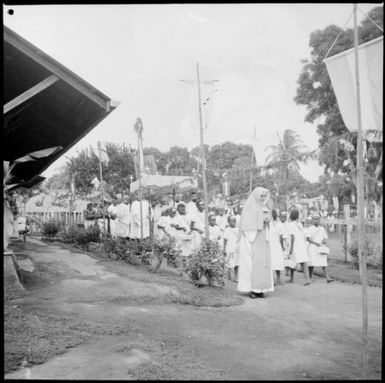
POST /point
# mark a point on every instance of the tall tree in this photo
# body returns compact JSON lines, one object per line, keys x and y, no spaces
{"x":287,"y":154}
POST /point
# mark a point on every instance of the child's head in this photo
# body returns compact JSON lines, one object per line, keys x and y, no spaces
{"x":274,"y":214}
{"x":232,"y":221}
{"x":294,"y":215}
{"x":212,"y":220}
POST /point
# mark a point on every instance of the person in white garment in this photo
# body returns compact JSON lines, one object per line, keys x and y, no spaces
{"x":298,"y":246}
{"x":136,"y":220}
{"x":191,"y":206}
{"x":317,"y":249}
{"x":214,"y":230}
{"x":112,"y":216}
{"x":221,"y":219}
{"x":283,"y":232}
{"x":230,"y":248}
{"x":123,"y":218}
{"x":198,"y":224}
{"x":255,"y":275}
{"x":158,"y":212}
{"x":275,"y":247}
{"x":170,"y":229}
{"x":238,"y":213}
{"x":182,"y":223}
{"x":162,"y":228}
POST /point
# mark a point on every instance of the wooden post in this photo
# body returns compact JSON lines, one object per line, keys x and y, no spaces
{"x":102,"y":187}
{"x":360,"y":204}
{"x":140,"y":191}
{"x":203,"y":157}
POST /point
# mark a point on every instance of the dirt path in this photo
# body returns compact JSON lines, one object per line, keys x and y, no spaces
{"x":296,"y":333}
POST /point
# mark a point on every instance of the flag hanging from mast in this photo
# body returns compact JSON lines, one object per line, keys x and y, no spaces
{"x":341,"y":69}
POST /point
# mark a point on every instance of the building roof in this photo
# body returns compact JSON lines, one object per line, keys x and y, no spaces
{"x":45,"y":105}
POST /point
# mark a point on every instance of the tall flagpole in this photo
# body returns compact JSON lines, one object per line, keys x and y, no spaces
{"x":203,"y":157}
{"x":360,"y":203}
{"x":102,"y":187}
{"x":139,"y":127}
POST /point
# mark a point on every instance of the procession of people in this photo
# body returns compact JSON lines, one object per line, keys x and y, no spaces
{"x":258,"y":243}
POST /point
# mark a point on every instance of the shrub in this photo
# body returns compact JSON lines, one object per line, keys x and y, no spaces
{"x":69,"y":234}
{"x":165,"y":248}
{"x":125,"y":250}
{"x":208,"y":261}
{"x":50,"y":229}
{"x":84,"y":237}
{"x":372,"y":251}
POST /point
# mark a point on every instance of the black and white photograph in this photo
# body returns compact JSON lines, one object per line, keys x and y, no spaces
{"x":193,"y":191}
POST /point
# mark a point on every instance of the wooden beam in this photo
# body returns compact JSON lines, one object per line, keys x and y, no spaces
{"x":31,"y":92}
{"x":56,"y":68}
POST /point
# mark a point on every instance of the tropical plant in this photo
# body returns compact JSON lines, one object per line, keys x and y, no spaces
{"x":165,"y":248}
{"x":287,"y":154}
{"x":208,"y":261}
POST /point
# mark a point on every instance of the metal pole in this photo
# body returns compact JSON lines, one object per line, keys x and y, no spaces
{"x":360,"y":203}
{"x":203,"y":157}
{"x":102,"y":187}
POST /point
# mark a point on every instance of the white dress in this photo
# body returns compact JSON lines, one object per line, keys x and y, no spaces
{"x":184,"y":238}
{"x":316,"y":234}
{"x":199,"y":223}
{"x":275,"y":248}
{"x":230,"y":235}
{"x":123,"y":220}
{"x":191,"y":208}
{"x":135,"y":219}
{"x":299,"y":248}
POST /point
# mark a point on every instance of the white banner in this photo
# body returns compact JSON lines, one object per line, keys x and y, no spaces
{"x":341,"y":69}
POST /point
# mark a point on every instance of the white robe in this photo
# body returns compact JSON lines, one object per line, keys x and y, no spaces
{"x":135,"y":219}
{"x":316,"y":234}
{"x":199,"y":223}
{"x":299,"y":247}
{"x":123,"y":220}
{"x":185,"y":238}
{"x":191,"y":208}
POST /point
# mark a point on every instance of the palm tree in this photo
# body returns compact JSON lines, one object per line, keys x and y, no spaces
{"x":286,"y":156}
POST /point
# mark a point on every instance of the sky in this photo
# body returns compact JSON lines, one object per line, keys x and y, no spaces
{"x":137,"y":55}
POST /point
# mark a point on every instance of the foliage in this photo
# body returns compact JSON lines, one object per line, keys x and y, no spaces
{"x":50,"y":229}
{"x":165,"y":248}
{"x":208,"y":261}
{"x":85,"y":236}
{"x":122,"y":248}
{"x":286,"y":155}
{"x":372,"y":251}
{"x":69,"y":234}
{"x":321,"y":102}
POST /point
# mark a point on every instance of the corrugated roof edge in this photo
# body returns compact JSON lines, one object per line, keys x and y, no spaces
{"x":58,"y":69}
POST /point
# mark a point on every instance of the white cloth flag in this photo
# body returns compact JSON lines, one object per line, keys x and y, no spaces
{"x":341,"y":69}
{"x":103,"y":154}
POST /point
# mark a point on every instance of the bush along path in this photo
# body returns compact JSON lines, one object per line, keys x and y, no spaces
{"x":116,"y":321}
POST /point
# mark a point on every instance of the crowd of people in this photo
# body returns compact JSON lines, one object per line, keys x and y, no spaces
{"x":259,"y":243}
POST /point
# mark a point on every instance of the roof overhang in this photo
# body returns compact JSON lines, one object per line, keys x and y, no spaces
{"x":45,"y":105}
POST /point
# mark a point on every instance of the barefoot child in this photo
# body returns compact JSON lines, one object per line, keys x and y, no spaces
{"x":229,"y":246}
{"x":276,"y":248}
{"x":298,"y":246}
{"x":316,"y":237}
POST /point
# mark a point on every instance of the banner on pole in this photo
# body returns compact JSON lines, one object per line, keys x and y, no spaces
{"x":341,"y":69}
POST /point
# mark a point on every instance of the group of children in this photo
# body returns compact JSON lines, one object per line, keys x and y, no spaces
{"x":293,"y":246}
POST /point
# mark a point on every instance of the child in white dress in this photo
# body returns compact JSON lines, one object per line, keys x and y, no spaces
{"x":230,"y":247}
{"x":298,"y":246}
{"x":317,"y":250}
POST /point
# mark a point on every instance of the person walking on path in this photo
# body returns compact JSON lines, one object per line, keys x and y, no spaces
{"x":276,"y":248}
{"x":298,"y":246}
{"x":255,"y":274}
{"x":317,"y":250}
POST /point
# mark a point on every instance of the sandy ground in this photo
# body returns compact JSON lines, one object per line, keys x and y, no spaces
{"x":296,"y":333}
